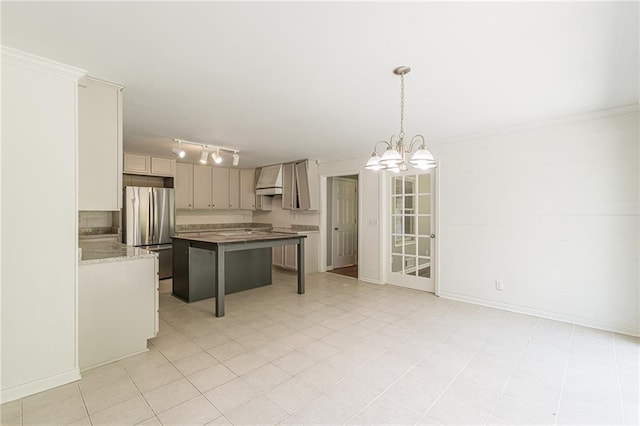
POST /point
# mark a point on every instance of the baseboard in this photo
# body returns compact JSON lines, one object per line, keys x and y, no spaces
{"x":369,"y":280}
{"x":26,"y":389}
{"x":615,"y":328}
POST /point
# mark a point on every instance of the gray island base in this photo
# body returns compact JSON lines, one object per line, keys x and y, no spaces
{"x":230,"y":262}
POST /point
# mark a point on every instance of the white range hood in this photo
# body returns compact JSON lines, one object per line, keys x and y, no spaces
{"x":270,"y":180}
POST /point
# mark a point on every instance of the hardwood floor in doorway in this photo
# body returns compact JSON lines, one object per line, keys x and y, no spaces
{"x":348,"y":271}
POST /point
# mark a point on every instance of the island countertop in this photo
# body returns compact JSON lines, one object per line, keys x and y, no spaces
{"x":232,"y":237}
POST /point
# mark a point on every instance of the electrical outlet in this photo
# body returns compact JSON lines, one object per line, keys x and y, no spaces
{"x":499,"y":285}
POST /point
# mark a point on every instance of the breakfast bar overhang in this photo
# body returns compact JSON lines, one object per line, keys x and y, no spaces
{"x":221,"y":244}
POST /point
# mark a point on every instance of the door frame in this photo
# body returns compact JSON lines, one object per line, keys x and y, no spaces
{"x":324,"y":212}
{"x":385,"y":215}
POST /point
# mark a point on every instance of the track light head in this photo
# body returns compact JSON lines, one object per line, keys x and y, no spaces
{"x":177,"y":150}
{"x":236,"y":158}
{"x":203,"y":156}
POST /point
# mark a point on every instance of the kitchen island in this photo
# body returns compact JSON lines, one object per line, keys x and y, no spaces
{"x":244,"y":248}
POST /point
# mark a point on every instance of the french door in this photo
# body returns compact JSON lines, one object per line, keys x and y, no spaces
{"x":411,"y":224}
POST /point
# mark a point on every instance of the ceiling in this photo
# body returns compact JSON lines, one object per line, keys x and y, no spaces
{"x":285,"y":81}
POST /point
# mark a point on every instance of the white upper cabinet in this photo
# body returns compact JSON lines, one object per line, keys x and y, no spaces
{"x":300,"y":182}
{"x":234,"y":189}
{"x":136,"y":164}
{"x":184,"y":186}
{"x":247,"y":189}
{"x":163,"y":166}
{"x":99,"y":145}
{"x":202,"y":188}
{"x":220,"y":189}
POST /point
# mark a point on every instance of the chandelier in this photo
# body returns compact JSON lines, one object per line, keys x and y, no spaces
{"x":396,"y":156}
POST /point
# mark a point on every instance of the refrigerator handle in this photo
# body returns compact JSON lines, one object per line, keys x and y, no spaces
{"x":151,"y":215}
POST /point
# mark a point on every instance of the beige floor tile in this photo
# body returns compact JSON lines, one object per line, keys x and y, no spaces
{"x":522,"y":412}
{"x":129,"y":412}
{"x":294,"y":362}
{"x":195,"y":412}
{"x":258,"y":411}
{"x":64,"y":411}
{"x":11,"y":411}
{"x":151,"y":421}
{"x":144,"y":361}
{"x":292,"y":395}
{"x":320,"y":377}
{"x":98,"y":399}
{"x":170,"y":395}
{"x":318,"y":351}
{"x":231,"y":395}
{"x":195,"y":362}
{"x":412,"y":395}
{"x":147,"y":380}
{"x":210,"y":340}
{"x":450,"y":411}
{"x":266,"y":377}
{"x":227,"y":350}
{"x":384,"y":411}
{"x":50,"y":397}
{"x":272,"y":351}
{"x":590,"y":411}
{"x":244,"y":363}
{"x":211,"y":377}
{"x":321,"y":411}
{"x":352,"y":394}
{"x":181,"y":350}
{"x":220,"y":421}
{"x":374,"y":376}
{"x":100,"y":377}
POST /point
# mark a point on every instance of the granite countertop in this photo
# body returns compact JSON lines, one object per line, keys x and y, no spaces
{"x":215,"y":227}
{"x":93,"y":251}
{"x":228,"y":237}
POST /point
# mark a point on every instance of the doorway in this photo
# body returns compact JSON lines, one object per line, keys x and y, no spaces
{"x":342,"y":224}
{"x":410,"y":234}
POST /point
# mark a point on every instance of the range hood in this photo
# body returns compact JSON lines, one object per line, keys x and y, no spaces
{"x":270,"y":180}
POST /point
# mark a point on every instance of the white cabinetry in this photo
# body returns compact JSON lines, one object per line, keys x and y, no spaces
{"x":202,"y":187}
{"x":220,"y":194}
{"x":234,"y":189}
{"x":145,"y":165}
{"x":162,"y":166}
{"x":184,"y":186}
{"x":287,"y":256}
{"x":137,"y":164}
{"x":262,"y":202}
{"x":99,"y":145}
{"x":118,"y":309}
{"x":300,"y":183}
{"x":247,"y":189}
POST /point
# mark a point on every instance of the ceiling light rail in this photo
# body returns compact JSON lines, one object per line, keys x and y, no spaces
{"x":205,"y":149}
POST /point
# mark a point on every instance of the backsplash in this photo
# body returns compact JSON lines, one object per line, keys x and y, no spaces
{"x":98,"y":222}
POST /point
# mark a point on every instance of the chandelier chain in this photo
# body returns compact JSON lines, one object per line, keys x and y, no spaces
{"x":401,"y":135}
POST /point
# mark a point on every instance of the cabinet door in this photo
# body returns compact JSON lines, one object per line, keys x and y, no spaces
{"x":278,"y":256}
{"x":136,"y":164}
{"x":291,"y":256}
{"x":162,"y":166}
{"x":184,"y":186}
{"x":288,"y":187}
{"x":99,"y":146}
{"x":220,"y":188}
{"x":247,"y":189}
{"x":234,"y":189}
{"x":202,"y":187}
{"x":302,"y":185}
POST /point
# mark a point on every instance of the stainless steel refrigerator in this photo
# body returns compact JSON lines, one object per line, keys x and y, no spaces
{"x":149,"y":222}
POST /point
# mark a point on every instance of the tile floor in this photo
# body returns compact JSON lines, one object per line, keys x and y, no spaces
{"x":348,"y":352}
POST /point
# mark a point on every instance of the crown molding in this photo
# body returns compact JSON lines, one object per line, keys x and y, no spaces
{"x":15,"y":57}
{"x":626,"y":109}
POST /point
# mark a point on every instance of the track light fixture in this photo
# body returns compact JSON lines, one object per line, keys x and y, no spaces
{"x":177,"y":150}
{"x":204,"y":152}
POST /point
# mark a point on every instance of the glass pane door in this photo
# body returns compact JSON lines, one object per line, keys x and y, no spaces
{"x":411,"y":227}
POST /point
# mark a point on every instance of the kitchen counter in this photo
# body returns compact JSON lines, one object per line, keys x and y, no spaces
{"x":96,"y":251}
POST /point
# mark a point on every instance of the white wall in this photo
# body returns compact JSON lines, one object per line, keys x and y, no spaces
{"x":285,"y":218}
{"x":552,"y":211}
{"x":369,"y":249}
{"x":39,"y":263}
